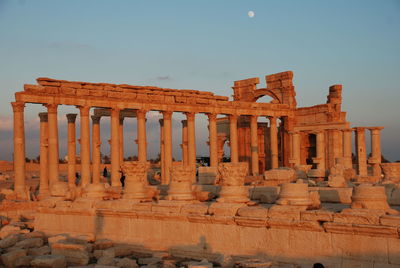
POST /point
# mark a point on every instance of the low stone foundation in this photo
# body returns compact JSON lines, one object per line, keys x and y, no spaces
{"x":217,"y":230}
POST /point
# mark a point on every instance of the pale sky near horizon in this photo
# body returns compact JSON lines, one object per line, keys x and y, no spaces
{"x":204,"y":45}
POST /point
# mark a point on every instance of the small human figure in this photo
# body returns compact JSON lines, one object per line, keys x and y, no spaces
{"x":122,"y":180}
{"x":77,"y":178}
{"x":105,"y":172}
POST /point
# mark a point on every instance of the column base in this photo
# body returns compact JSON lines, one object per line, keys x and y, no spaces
{"x":94,"y":191}
{"x":233,"y":194}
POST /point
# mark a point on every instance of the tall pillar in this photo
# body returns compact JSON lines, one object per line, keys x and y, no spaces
{"x":295,"y":161}
{"x":254,"y":145}
{"x":185,"y":158}
{"x":213,"y":139}
{"x":162,"y":151}
{"x":71,"y":149}
{"x":273,"y":136}
{"x":347,"y":150}
{"x":121,"y":139}
{"x":190,"y":117}
{"x":96,"y":152}
{"x":19,"y":150}
{"x":141,"y":134}
{"x":361,"y":151}
{"x":376,"y":155}
{"x":233,"y":138}
{"x":320,"y":159}
{"x":115,"y":153}
{"x":53,"y":143}
{"x":44,"y":178}
{"x":85,"y":145}
{"x":167,"y":116}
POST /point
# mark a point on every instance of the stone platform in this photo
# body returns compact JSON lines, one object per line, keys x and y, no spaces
{"x":216,"y":230}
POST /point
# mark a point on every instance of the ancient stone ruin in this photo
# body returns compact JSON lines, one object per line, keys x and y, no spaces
{"x":290,"y":194}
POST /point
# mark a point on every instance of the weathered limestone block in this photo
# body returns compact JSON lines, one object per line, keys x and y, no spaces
{"x":11,"y":257}
{"x":280,"y":175}
{"x":8,"y":230}
{"x":75,"y":254}
{"x":103,"y":244}
{"x":49,"y":261}
{"x":253,"y":212}
{"x":44,"y":250}
{"x":125,"y":263}
{"x":9,"y":241}
{"x":30,"y":243}
{"x":207,"y":175}
{"x":390,"y":220}
{"x":180,"y":187}
{"x":195,"y":208}
{"x":317,"y":215}
{"x":225,"y":209}
{"x":233,"y":176}
{"x":361,"y":229}
{"x":136,"y":186}
{"x":336,"y":174}
{"x":285,"y":212}
{"x":335,"y":195}
{"x":59,"y":189}
{"x":24,"y":261}
{"x":359,"y":216}
{"x":391,"y":172}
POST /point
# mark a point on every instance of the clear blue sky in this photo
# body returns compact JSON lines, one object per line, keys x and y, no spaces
{"x":206,"y":45}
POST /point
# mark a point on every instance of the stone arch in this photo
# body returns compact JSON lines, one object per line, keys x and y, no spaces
{"x":266,"y":92}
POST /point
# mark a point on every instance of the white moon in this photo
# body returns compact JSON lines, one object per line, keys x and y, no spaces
{"x":250,"y":14}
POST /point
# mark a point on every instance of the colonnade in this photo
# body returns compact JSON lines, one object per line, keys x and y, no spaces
{"x":345,"y":151}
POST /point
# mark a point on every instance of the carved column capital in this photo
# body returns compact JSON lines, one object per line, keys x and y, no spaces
{"x":167,"y":115}
{"x":71,"y":118}
{"x":212,"y":117}
{"x":96,"y":119}
{"x":84,"y":110}
{"x":43,"y":117}
{"x":141,"y":113}
{"x":190,"y":116}
{"x":18,"y":106}
{"x":51,"y":108}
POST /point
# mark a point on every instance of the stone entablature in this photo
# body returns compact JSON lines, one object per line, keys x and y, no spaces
{"x":139,"y":97}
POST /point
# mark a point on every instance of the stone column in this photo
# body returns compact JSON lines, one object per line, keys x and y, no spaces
{"x":121,"y":139}
{"x":96,"y":146}
{"x":361,"y":151}
{"x":167,"y":116}
{"x":320,"y":159}
{"x":273,"y":136}
{"x":295,"y":161}
{"x":44,"y":178}
{"x":185,"y":158}
{"x":115,"y":156}
{"x":233,"y":138}
{"x":254,"y":145}
{"x":190,"y":117}
{"x":376,"y":155}
{"x":141,"y":134}
{"x":347,"y":151}
{"x":19,"y":150}
{"x":71,"y":149}
{"x":213,"y":139}
{"x":85,"y":145}
{"x":162,"y":151}
{"x":53,"y":143}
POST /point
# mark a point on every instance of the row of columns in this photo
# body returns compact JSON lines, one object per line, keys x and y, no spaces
{"x":362,"y":160}
{"x":49,"y":147}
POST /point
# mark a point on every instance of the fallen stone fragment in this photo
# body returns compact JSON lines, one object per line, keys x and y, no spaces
{"x":147,"y":261}
{"x":24,"y":261}
{"x":10,"y":258}
{"x":103,"y":244}
{"x":9,"y":241}
{"x":125,"y":263}
{"x":39,"y":251}
{"x":8,"y":230}
{"x":49,"y":261}
{"x":30,"y":243}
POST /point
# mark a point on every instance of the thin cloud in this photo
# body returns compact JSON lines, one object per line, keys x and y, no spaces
{"x":164,"y":78}
{"x":70,"y":45}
